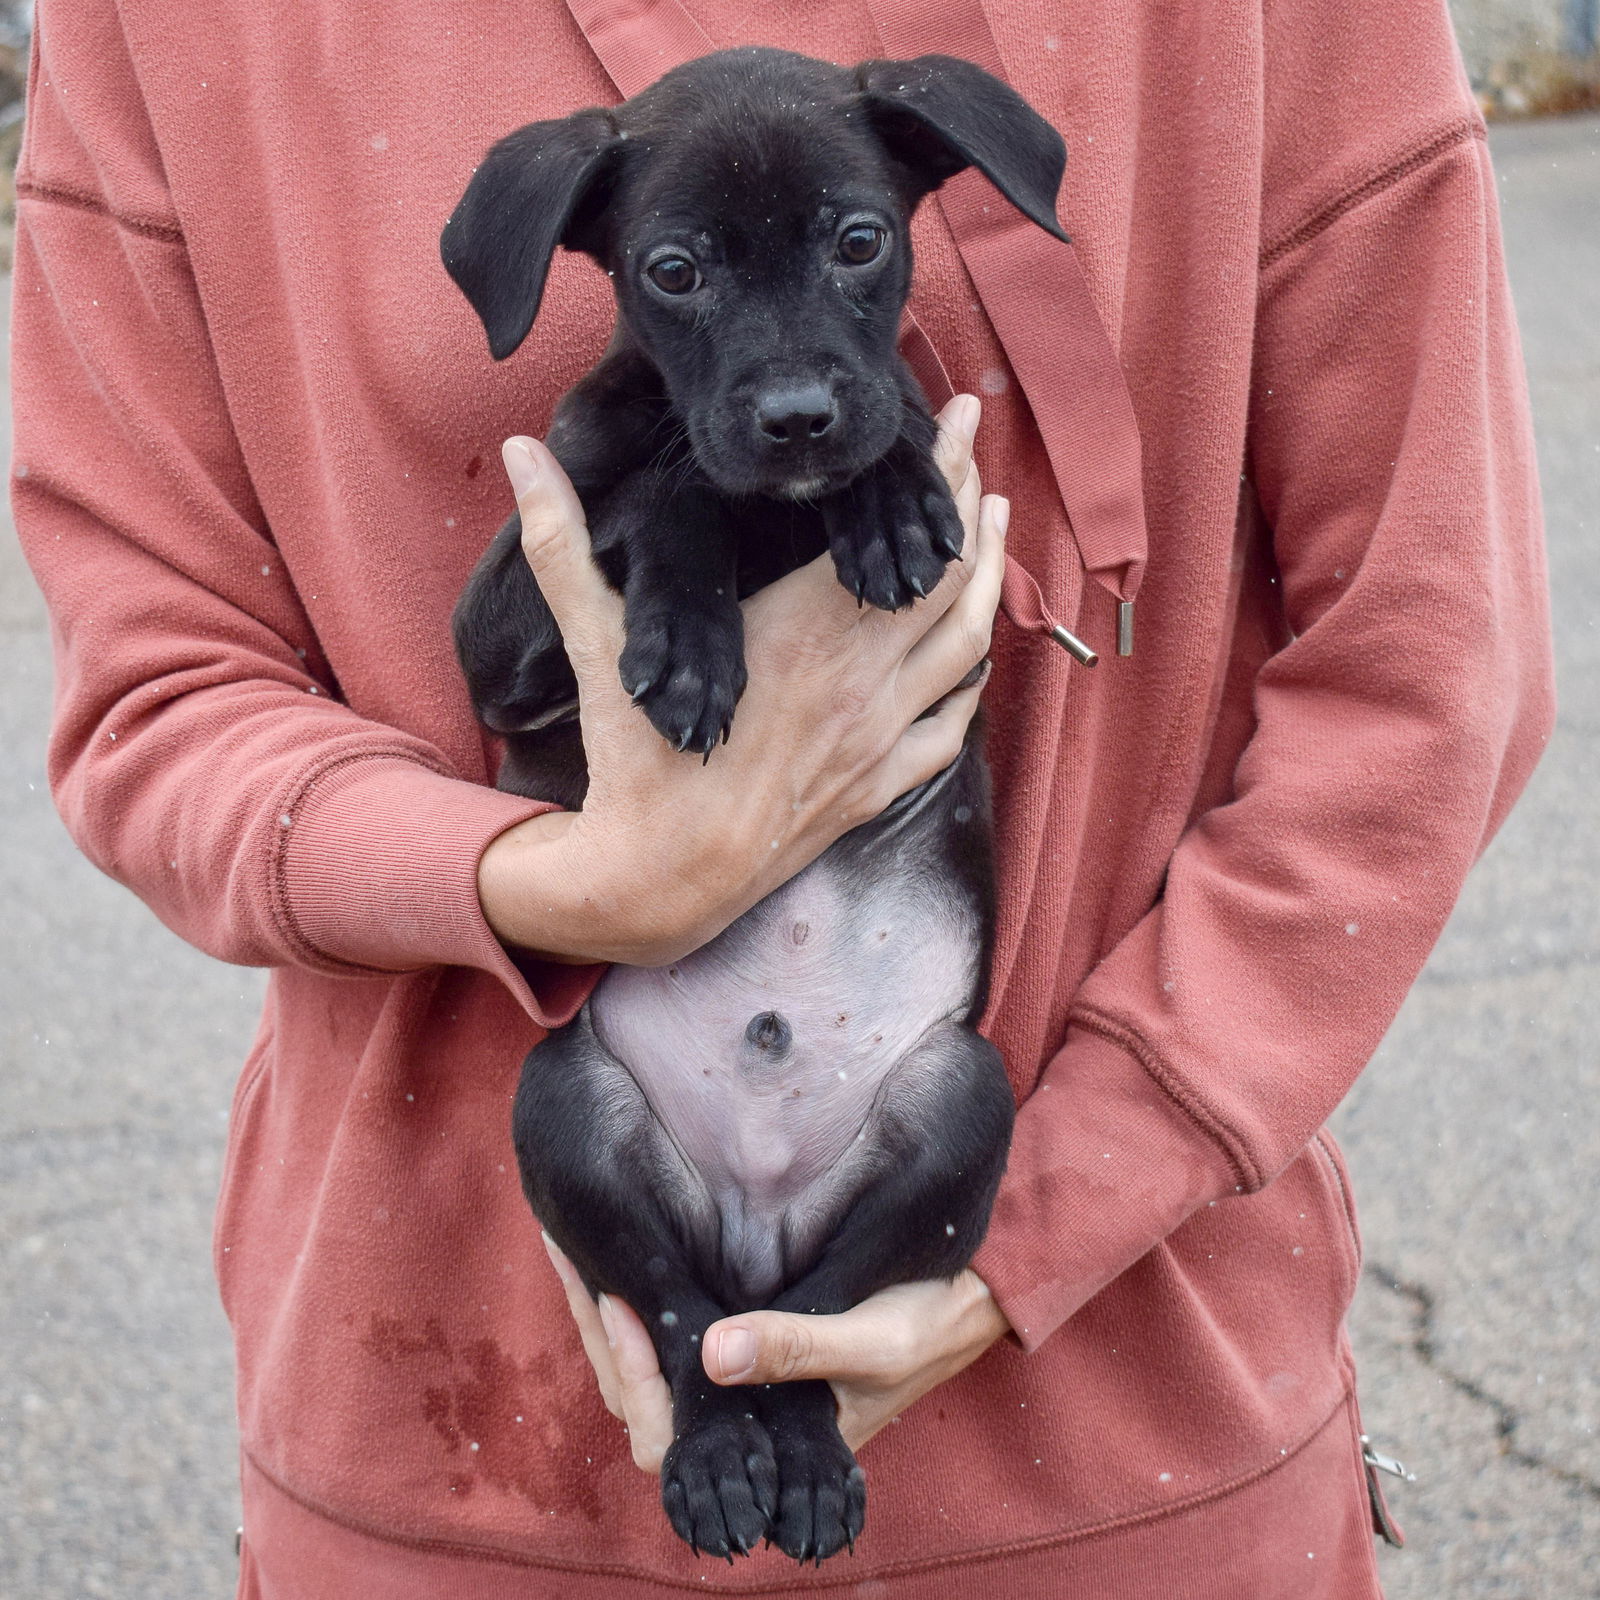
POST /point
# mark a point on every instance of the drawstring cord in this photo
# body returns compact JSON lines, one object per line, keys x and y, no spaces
{"x":1021,"y":598}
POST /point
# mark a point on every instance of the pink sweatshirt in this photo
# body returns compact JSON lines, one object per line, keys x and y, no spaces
{"x":256,"y":457}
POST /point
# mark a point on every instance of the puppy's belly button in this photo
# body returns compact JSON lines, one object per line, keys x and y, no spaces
{"x":763,"y":1053}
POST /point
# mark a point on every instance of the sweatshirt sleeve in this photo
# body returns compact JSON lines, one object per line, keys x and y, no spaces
{"x":198,"y":753}
{"x":1391,"y":453}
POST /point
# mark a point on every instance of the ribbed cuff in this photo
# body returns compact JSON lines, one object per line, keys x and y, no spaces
{"x":378,"y":872}
{"x":1104,"y":1165}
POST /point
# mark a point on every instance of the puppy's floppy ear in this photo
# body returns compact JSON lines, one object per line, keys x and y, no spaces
{"x":940,"y":115}
{"x":533,"y":191}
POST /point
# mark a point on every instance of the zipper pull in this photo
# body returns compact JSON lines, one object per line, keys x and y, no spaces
{"x":1374,"y":1458}
{"x":1125,"y":627}
{"x":1374,"y":1462}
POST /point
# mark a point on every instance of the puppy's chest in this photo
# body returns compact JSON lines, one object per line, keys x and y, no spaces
{"x":763,"y":1053}
{"x":775,"y":538}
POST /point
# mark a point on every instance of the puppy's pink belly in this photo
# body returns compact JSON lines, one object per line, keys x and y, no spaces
{"x":763,"y":1053}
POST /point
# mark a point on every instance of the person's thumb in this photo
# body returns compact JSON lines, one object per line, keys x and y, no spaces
{"x":555,"y":540}
{"x":784,"y":1346}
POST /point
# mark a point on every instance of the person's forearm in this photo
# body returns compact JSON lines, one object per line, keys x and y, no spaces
{"x":542,"y":891}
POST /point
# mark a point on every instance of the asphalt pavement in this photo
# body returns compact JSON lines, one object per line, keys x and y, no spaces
{"x":1474,"y":1137}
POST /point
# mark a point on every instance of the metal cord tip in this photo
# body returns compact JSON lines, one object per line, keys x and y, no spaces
{"x":1074,"y":646}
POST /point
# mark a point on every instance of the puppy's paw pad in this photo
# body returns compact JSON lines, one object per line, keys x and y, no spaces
{"x":719,"y":1486}
{"x":822,"y":1498}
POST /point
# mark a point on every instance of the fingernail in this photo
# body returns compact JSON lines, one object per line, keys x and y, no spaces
{"x":736,"y":1353}
{"x":969,"y":408}
{"x":1002,"y":515}
{"x":522,"y":468}
{"x":557,"y":1260}
{"x":604,"y":1303}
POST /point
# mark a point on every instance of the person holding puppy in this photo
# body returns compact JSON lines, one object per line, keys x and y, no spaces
{"x":251,"y":427}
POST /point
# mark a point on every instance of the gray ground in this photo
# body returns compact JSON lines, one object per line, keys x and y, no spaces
{"x":1474,"y":1136}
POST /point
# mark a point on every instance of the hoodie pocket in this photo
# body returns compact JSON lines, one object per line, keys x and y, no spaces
{"x":251,"y":1076}
{"x":1375,"y":1463}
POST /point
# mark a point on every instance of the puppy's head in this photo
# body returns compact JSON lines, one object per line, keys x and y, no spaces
{"x":752,"y":208}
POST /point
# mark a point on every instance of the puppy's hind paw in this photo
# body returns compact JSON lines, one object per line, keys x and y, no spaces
{"x":719,"y":1486}
{"x":822,"y":1498}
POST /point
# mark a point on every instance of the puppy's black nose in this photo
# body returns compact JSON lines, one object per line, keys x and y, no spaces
{"x":804,"y":411}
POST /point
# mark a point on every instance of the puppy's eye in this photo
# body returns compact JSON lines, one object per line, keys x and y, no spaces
{"x":674,"y":274}
{"x":860,"y":244}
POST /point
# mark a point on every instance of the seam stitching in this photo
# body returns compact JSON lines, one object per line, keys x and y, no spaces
{"x":1226,"y":1138}
{"x":893,"y":1569}
{"x":1321,"y":1143}
{"x":1469,"y":127}
{"x":1324,"y":1141}
{"x":81,"y":200}
{"x":277,"y":864}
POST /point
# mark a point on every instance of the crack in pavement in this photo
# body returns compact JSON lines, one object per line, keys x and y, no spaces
{"x":1507,"y":1419}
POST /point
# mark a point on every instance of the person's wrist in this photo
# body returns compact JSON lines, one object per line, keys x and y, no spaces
{"x":558,"y":887}
{"x":643,"y":904}
{"x":511,"y":871}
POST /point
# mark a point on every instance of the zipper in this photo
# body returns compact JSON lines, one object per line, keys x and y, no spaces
{"x":1373,"y":1462}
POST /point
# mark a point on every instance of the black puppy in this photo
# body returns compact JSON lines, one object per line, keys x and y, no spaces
{"x":801,"y":1113}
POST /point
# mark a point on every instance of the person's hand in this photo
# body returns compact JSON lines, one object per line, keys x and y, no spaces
{"x":668,"y":850}
{"x":880,"y":1356}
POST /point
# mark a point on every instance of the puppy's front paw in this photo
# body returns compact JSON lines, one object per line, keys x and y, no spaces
{"x":892,"y":532}
{"x":822,"y":1494}
{"x":719,"y":1485}
{"x":686,"y":671}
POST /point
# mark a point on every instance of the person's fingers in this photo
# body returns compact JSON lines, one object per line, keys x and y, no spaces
{"x":646,"y":1400}
{"x":959,"y":639}
{"x":928,"y":746}
{"x":969,"y":497}
{"x":862,"y":1416}
{"x":952,"y":448}
{"x":555,"y":540}
{"x":590,"y":1329}
{"x":783,"y":1347}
